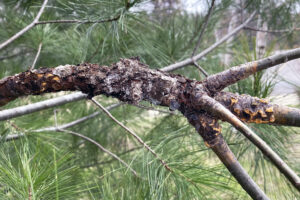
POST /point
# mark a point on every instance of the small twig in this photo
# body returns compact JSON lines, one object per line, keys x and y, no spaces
{"x":100,"y":147}
{"x":27,"y":28}
{"x":34,"y":107}
{"x":200,"y":68}
{"x":77,"y":121}
{"x":271,"y":31}
{"x":131,"y":133}
{"x":37,"y":56}
{"x":63,"y":126}
{"x":111,"y":160}
{"x":37,"y":22}
{"x":204,"y":27}
{"x":63,"y":21}
{"x":207,"y":50}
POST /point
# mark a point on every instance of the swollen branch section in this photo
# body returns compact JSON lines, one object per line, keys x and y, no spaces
{"x":131,"y":81}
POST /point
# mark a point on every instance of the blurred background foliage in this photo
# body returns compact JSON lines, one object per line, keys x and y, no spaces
{"x":56,"y":165}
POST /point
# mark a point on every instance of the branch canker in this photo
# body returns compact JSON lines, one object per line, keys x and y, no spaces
{"x":132,"y":81}
{"x":254,"y":110}
{"x":128,"y":80}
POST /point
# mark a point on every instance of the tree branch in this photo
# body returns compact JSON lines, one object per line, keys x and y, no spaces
{"x":63,"y":126}
{"x":34,"y":107}
{"x":224,"y":153}
{"x":204,"y":27}
{"x":132,"y":133}
{"x":132,"y":81}
{"x":101,"y":148}
{"x":37,"y":22}
{"x":219,"y":81}
{"x":218,"y":109}
{"x":209,"y":49}
{"x":27,"y":28}
{"x":75,"y":21}
{"x":37,"y":56}
{"x":272,"y":31}
{"x":210,"y":131}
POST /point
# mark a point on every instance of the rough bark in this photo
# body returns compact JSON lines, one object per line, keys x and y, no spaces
{"x":131,"y":81}
{"x":215,"y":108}
{"x":254,"y":110}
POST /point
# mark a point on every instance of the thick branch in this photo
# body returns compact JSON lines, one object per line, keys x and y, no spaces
{"x":128,"y":80}
{"x":132,"y":81}
{"x":223,"y":79}
{"x":286,"y":116}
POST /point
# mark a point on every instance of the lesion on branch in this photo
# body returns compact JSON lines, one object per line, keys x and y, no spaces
{"x":260,"y":111}
{"x":131,"y":81}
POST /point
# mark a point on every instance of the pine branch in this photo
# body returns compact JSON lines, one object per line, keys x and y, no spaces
{"x":272,"y":31}
{"x":133,"y":134}
{"x":188,"y":61}
{"x":219,"y":81}
{"x":101,"y":148}
{"x":75,"y":21}
{"x":35,"y":107}
{"x":77,"y":121}
{"x":210,"y":131}
{"x":130,"y":81}
{"x":229,"y":160}
{"x":37,"y":56}
{"x":63,"y":126}
{"x":217,"y":109}
{"x":27,"y":28}
{"x":204,"y":27}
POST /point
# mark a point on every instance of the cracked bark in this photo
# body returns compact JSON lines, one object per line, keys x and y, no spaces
{"x":254,"y":110}
{"x":132,"y":81}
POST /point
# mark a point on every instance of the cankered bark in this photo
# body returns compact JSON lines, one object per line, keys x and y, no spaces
{"x":131,"y":81}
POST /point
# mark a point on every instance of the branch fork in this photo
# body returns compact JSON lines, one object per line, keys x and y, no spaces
{"x":202,"y":103}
